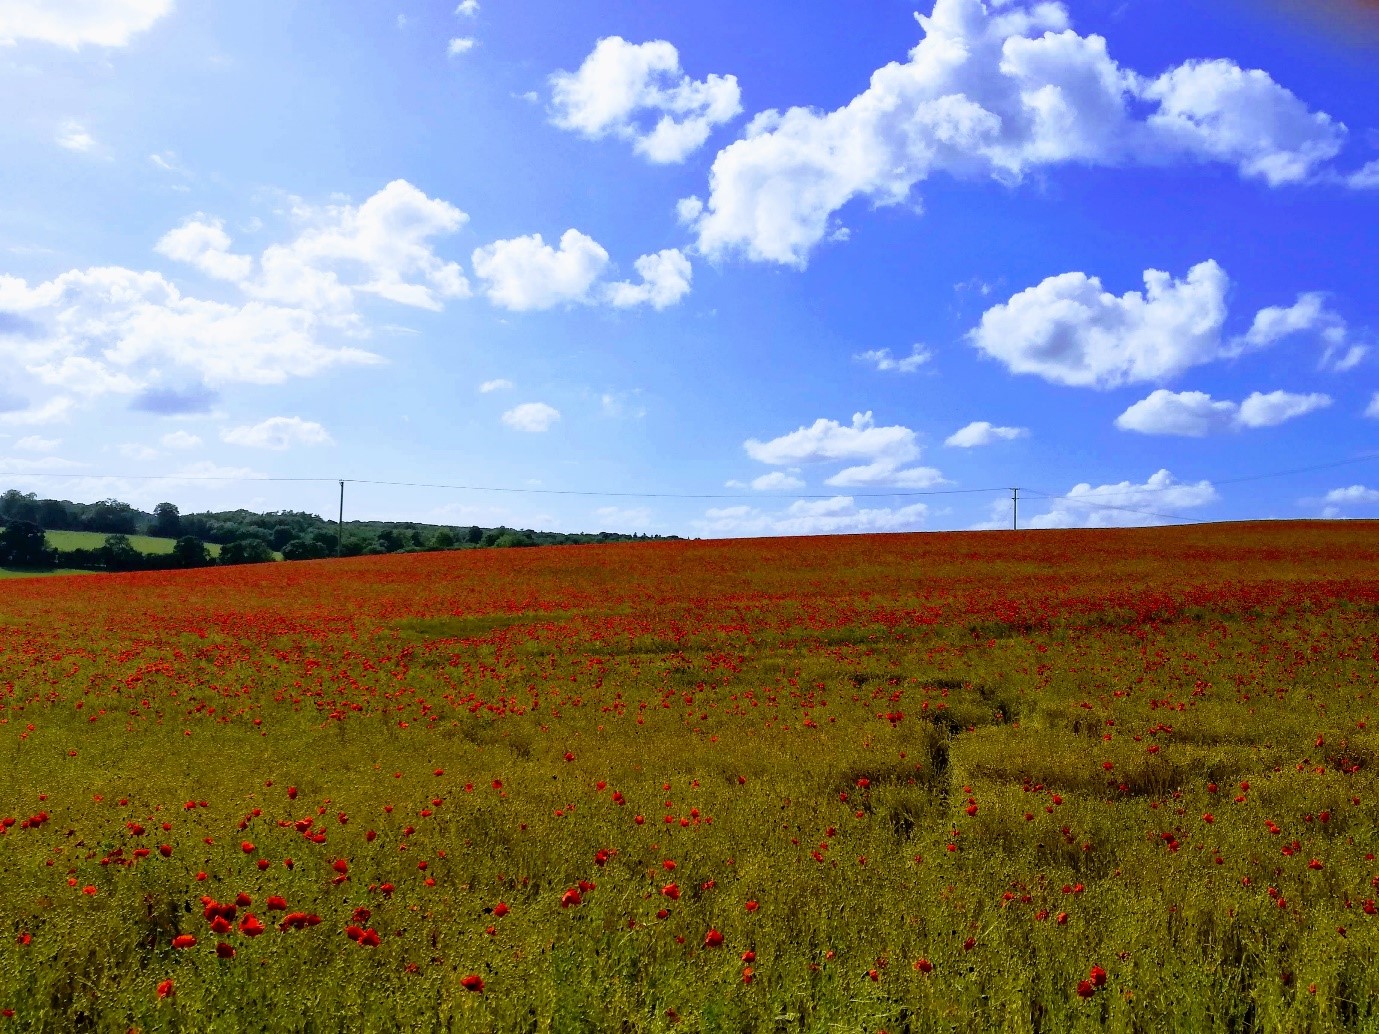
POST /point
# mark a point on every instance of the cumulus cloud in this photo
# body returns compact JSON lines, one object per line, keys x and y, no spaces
{"x":837,"y":516}
{"x":638,"y":92}
{"x":883,"y":361}
{"x":202,"y":242}
{"x":1372,"y":410}
{"x":982,"y":432}
{"x":107,"y":23}
{"x":278,"y":433}
{"x":460,"y":45}
{"x":468,"y":8}
{"x":1070,"y":330}
{"x":532,"y":417}
{"x":498,"y":384}
{"x":666,"y":278}
{"x":995,"y":91}
{"x":1351,"y":496}
{"x":1195,"y":414}
{"x":110,"y":329}
{"x":829,"y":440}
{"x":35,"y":443}
{"x":1156,"y":501}
{"x":527,"y":273}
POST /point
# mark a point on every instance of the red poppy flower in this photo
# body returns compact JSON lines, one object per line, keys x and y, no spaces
{"x":247,"y":847}
{"x":713,"y":939}
{"x":751,"y":906}
{"x":250,"y":926}
{"x":472,"y":982}
{"x":1085,"y":989}
{"x":184,"y":940}
{"x":224,"y":951}
{"x":165,"y":989}
{"x":570,"y":898}
{"x":501,"y":909}
{"x":924,"y":966}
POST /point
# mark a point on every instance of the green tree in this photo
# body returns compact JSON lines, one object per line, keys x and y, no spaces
{"x":443,"y":539}
{"x":190,"y":551}
{"x":282,"y":535}
{"x":167,"y":521}
{"x":119,"y":554}
{"x":303,"y":549}
{"x":22,"y":544}
{"x":246,"y":551}
{"x":474,"y":535}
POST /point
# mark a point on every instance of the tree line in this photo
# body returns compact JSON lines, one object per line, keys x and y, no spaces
{"x":244,"y":536}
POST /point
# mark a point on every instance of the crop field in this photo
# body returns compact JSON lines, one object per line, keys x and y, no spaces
{"x":1049,"y":781}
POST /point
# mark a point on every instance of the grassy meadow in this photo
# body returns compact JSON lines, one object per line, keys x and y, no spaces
{"x":1044,"y":781}
{"x":67,"y":540}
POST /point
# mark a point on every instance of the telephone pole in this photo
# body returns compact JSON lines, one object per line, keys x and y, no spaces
{"x":1014,"y":509}
{"x":340,"y":527}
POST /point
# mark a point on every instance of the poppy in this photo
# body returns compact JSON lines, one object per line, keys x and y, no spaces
{"x":473,"y":982}
{"x":184,"y":940}
{"x":713,"y":939}
{"x":165,"y":989}
{"x":570,"y":898}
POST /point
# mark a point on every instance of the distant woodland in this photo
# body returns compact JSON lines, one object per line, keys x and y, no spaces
{"x":243,"y":537}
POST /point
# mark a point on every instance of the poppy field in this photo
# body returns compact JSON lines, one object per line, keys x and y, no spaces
{"x":1047,"y":781}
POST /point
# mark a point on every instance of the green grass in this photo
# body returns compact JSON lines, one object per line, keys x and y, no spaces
{"x":96,"y":539}
{"x":24,"y":572}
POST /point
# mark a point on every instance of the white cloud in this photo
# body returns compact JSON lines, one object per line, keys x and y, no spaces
{"x":533,"y":417}
{"x":1372,"y":410}
{"x":1309,"y":314}
{"x":180,"y":440}
{"x":775,"y":481}
{"x":104,"y":23}
{"x":1195,"y":414}
{"x":468,"y":8}
{"x":1069,"y":330}
{"x":666,"y":278}
{"x":1277,"y":407}
{"x":206,"y":470}
{"x":1191,"y":414}
{"x":886,"y":473}
{"x":526,"y":273}
{"x":55,"y":410}
{"x":381,"y":247}
{"x":168,"y":162}
{"x":460,"y":45}
{"x":202,"y":242}
{"x":278,"y":433}
{"x":19,"y":464}
{"x":995,"y":91}
{"x":884,"y":362}
{"x":622,"y":86}
{"x":829,"y":440}
{"x":34,"y":443}
{"x":1354,"y":495}
{"x":982,"y":432}
{"x":114,"y":329}
{"x":498,"y":384}
{"x":837,"y":516}
{"x":74,"y":137}
{"x":1366,"y":178}
{"x":136,"y":451}
{"x":1124,"y":504}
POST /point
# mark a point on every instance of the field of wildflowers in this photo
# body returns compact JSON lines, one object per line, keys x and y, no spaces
{"x":1083,"y":780}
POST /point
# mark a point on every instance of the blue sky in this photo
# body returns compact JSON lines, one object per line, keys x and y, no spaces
{"x":842,"y":266}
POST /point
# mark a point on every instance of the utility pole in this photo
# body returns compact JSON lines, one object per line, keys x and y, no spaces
{"x":1014,"y":509}
{"x":340,"y":527}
